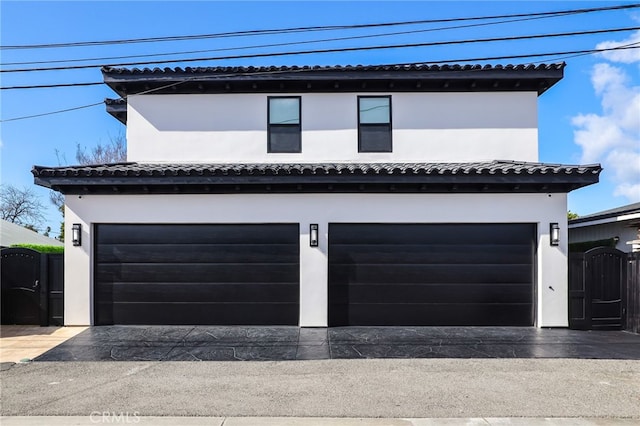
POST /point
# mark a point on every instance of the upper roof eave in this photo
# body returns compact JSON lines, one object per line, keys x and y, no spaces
{"x":390,"y":78}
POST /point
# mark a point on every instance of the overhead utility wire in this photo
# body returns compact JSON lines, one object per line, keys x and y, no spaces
{"x":292,"y":43}
{"x":48,"y":86}
{"x":51,"y":112}
{"x":337,"y":50}
{"x":92,"y":105}
{"x":307,"y":29}
{"x":573,"y":53}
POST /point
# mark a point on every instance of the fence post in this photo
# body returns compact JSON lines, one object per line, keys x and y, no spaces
{"x":633,"y":292}
{"x":44,"y":289}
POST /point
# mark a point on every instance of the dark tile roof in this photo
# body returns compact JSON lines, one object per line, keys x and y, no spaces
{"x":494,"y":176}
{"x":117,"y":108}
{"x":188,"y":169}
{"x":418,"y":77}
{"x":115,"y":102}
{"x":340,"y":68}
{"x":606,"y":214}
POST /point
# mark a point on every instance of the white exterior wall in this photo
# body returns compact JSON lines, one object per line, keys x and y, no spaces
{"x":427,"y":127}
{"x":623,"y":230}
{"x":322,"y":209}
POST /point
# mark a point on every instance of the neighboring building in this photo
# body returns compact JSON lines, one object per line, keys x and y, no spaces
{"x":619,"y":228}
{"x":11,"y":234}
{"x":322,"y":196}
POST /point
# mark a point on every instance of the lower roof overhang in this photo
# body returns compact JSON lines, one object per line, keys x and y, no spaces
{"x":482,"y":177}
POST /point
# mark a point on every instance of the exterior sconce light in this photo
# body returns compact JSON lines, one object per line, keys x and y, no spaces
{"x":76,"y":234}
{"x":554,"y":234}
{"x":313,"y":235}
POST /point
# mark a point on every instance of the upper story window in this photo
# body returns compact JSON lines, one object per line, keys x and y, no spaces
{"x":284,"y":129}
{"x":374,"y":123}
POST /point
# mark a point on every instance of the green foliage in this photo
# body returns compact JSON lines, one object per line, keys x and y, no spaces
{"x":41,"y":248}
{"x":571,"y":215}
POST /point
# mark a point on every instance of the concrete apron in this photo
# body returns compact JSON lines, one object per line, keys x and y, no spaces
{"x":22,"y":343}
{"x":287,"y":343}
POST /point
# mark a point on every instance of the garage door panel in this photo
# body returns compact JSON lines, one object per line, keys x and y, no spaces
{"x":445,"y":234}
{"x":197,"y":253}
{"x":203,"y":313}
{"x":201,"y":292}
{"x":435,"y":293}
{"x":428,"y":274}
{"x":430,"y":253}
{"x":196,"y":234}
{"x":178,"y":273}
{"x":439,"y":315}
{"x":431,"y":274}
{"x":197,"y":274}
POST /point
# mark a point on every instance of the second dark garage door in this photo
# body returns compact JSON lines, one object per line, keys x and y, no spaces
{"x":431,"y":274}
{"x":197,"y":274}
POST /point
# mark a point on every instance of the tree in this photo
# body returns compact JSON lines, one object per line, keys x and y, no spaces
{"x":114,"y":151}
{"x":21,"y":206}
{"x":571,"y":215}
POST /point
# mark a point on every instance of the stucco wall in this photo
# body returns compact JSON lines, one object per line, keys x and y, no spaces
{"x":321,"y":209}
{"x":623,"y":230}
{"x":427,"y":127}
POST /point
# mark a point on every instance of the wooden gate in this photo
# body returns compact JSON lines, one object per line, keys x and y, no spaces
{"x":633,"y":292}
{"x":597,"y":289}
{"x":32,"y":287}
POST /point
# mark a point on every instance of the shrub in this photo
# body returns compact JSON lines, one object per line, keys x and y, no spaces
{"x":41,"y":248}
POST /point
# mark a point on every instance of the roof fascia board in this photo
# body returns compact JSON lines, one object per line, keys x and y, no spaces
{"x":602,"y":221}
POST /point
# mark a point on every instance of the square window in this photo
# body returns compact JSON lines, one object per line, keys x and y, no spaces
{"x":374,"y":124}
{"x":284,"y":128}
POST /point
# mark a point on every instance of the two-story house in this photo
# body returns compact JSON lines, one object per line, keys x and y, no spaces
{"x":322,"y":196}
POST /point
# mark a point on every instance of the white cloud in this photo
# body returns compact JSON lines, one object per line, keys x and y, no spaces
{"x":626,"y":56}
{"x":613,"y":137}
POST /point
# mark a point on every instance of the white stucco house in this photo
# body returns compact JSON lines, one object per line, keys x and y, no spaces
{"x":322,"y":196}
{"x":618,"y":227}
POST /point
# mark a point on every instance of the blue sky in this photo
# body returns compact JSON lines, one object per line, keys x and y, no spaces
{"x":592,"y":115}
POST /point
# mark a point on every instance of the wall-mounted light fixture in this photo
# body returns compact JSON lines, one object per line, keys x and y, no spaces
{"x":554,"y":234}
{"x":76,"y":234}
{"x":313,"y":235}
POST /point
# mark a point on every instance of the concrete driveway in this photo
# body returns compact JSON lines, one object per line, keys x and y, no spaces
{"x":208,"y":343}
{"x":149,"y":382}
{"x":25,"y":342}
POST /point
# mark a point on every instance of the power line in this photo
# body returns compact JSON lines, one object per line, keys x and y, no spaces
{"x":339,"y":50}
{"x":326,"y":40}
{"x":310,"y":28}
{"x":109,"y":58}
{"x":51,"y":112}
{"x":49,"y":86}
{"x":573,"y":53}
{"x":95,"y":104}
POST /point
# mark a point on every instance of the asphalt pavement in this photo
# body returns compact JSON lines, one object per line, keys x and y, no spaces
{"x":372,"y":388}
{"x":99,"y":418}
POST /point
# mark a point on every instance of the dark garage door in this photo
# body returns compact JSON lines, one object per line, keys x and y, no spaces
{"x":431,"y":274}
{"x":197,"y":274}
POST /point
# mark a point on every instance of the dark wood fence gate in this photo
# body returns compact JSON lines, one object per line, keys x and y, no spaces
{"x":603,"y":290}
{"x":32,"y":287}
{"x":633,"y":292}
